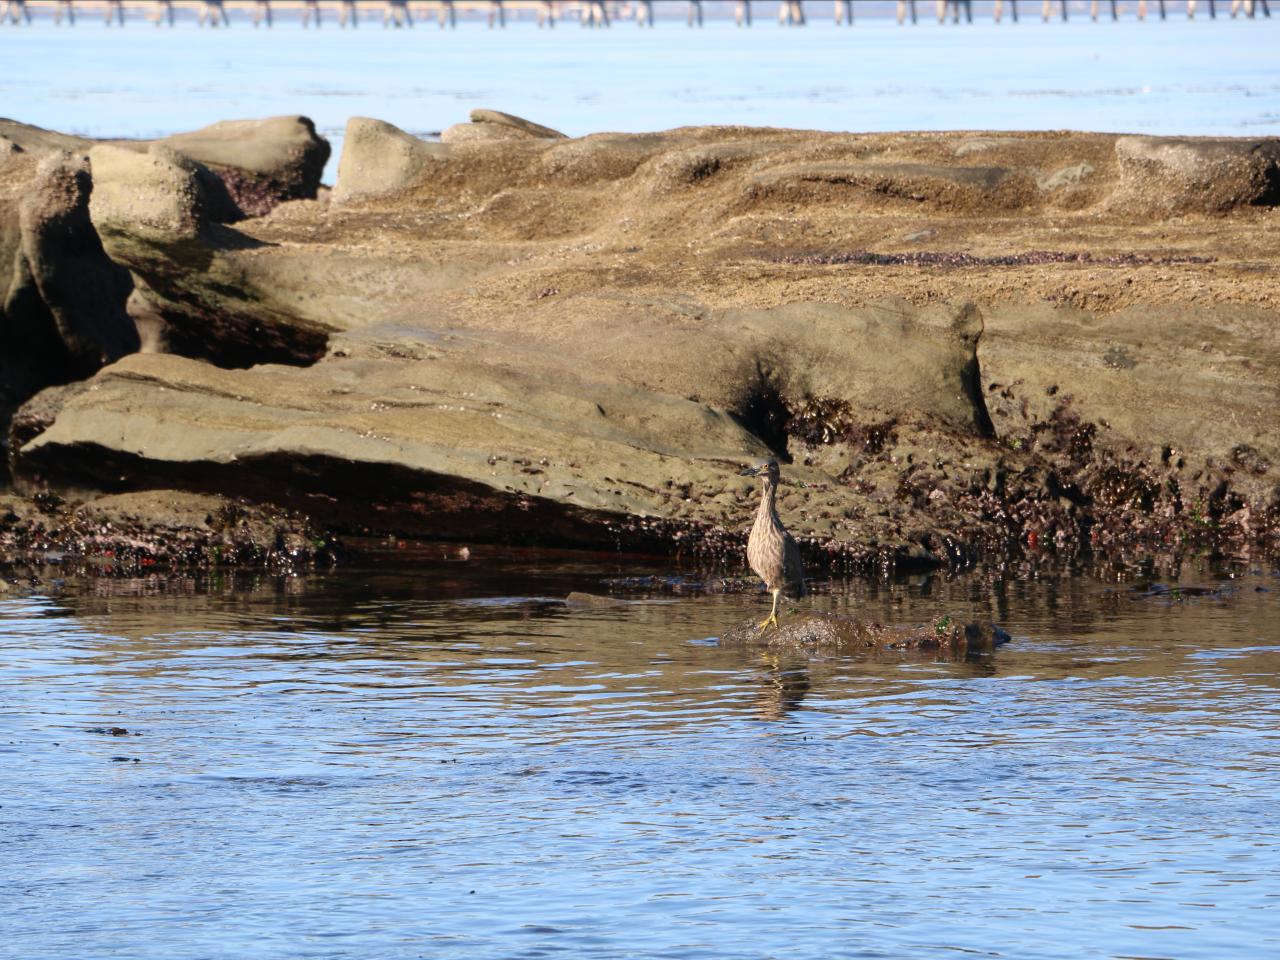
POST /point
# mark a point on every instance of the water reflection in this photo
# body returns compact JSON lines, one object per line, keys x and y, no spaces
{"x":436,"y":762}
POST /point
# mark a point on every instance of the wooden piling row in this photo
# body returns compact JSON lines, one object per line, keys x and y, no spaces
{"x":589,"y":13}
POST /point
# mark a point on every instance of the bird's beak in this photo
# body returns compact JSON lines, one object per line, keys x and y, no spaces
{"x":750,"y":472}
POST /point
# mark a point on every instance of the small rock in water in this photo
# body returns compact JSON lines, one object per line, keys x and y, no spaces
{"x":591,"y":601}
{"x":810,"y":631}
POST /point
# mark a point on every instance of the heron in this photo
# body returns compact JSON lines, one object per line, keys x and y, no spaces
{"x":771,"y":551}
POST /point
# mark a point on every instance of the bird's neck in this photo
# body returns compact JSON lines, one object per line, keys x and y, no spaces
{"x":767,"y":501}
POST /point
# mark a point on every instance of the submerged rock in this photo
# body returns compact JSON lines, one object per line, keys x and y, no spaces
{"x":591,"y":601}
{"x":837,"y":634}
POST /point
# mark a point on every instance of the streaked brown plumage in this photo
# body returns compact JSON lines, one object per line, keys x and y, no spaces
{"x":771,"y":551}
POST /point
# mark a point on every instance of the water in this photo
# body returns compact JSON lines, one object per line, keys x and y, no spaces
{"x":449,"y":762}
{"x":1217,"y":77}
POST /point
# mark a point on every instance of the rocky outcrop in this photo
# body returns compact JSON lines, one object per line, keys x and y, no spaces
{"x":84,"y":291}
{"x":579,"y":341}
{"x":378,"y":159}
{"x":433,"y":445}
{"x":62,"y":312}
{"x":496,"y":125}
{"x":497,"y":117}
{"x":261,"y":163}
{"x":162,"y":214}
{"x":90,"y":231}
{"x":1202,"y":174}
{"x":159,"y":531}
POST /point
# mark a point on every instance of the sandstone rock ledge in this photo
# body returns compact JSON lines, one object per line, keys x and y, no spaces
{"x":958,"y":342}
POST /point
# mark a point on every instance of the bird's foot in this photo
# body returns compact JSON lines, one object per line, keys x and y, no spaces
{"x":764,"y":624}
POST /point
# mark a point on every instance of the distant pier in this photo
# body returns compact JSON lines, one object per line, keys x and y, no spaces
{"x":597,"y":13}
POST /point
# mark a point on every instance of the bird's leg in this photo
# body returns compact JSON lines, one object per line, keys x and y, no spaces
{"x":773,"y":614}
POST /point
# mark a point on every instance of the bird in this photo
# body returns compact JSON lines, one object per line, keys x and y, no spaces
{"x":771,"y":551}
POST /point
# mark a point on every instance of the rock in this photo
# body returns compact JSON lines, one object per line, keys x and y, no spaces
{"x":482,"y":115}
{"x":1065,"y":177}
{"x":982,"y":145}
{"x":159,"y":214}
{"x":62,"y":305}
{"x":591,"y":601}
{"x":379,"y":159}
{"x":472,"y":132}
{"x":600,"y":157}
{"x":258,"y":163}
{"x":261,"y":162}
{"x":34,"y":417}
{"x":84,"y":291}
{"x":938,"y":183}
{"x":692,"y":166}
{"x":437,"y":447}
{"x":1206,"y":174}
{"x":153,"y":196}
{"x":25,"y":138}
{"x":645,"y":312}
{"x":155,"y":532}
{"x":830,"y":633}
{"x":1166,"y":377}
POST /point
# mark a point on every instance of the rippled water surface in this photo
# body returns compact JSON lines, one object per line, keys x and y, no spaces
{"x":433,"y":762}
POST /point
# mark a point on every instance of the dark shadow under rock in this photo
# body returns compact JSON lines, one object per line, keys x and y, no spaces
{"x":829,"y":633}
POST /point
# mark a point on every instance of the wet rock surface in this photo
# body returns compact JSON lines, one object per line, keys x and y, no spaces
{"x":156,"y":532}
{"x":831,"y":633}
{"x":960,"y":344}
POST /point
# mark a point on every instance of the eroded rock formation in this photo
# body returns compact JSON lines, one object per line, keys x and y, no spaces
{"x":958,"y":341}
{"x":87,"y":227}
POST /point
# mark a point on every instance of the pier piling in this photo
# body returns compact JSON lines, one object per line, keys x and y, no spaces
{"x":596,"y":14}
{"x":791,"y":13}
{"x":395,"y":13}
{"x":15,"y":12}
{"x":589,"y":13}
{"x":212,"y":13}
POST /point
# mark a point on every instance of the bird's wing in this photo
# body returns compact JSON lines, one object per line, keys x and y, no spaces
{"x":792,"y":567}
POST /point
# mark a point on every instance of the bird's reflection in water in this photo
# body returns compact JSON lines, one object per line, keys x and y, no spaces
{"x":783,"y":683}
